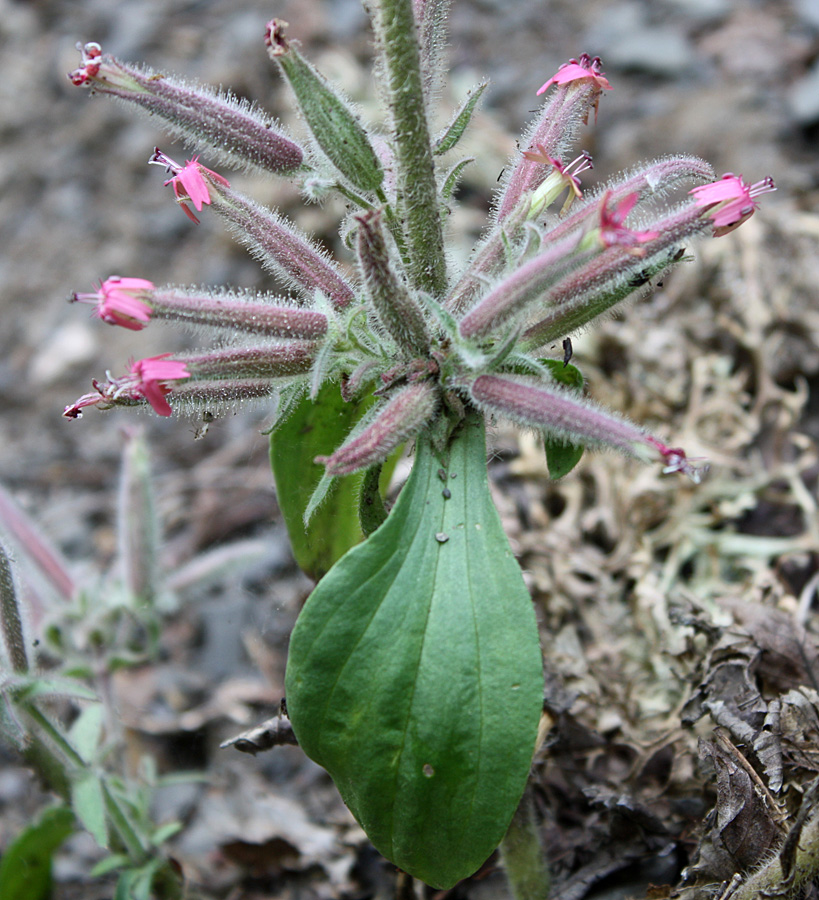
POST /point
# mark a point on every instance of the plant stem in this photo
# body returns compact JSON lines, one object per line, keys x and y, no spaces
{"x":119,"y":819}
{"x":801,"y":852}
{"x":522,"y":854}
{"x":397,"y":40}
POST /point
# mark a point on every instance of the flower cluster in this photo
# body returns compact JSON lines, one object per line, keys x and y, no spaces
{"x":426,"y":343}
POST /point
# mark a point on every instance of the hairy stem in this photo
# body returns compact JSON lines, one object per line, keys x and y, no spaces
{"x":397,"y":40}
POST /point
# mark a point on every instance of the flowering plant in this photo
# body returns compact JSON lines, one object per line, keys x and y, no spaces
{"x":414,"y":674}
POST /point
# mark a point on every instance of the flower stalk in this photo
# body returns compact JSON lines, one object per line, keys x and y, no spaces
{"x":419,"y":208}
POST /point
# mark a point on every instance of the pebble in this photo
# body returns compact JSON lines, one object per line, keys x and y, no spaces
{"x":803,"y":98}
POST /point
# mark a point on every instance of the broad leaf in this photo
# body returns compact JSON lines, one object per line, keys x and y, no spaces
{"x":25,"y":869}
{"x":86,"y":731}
{"x":316,"y":428}
{"x":414,"y":674}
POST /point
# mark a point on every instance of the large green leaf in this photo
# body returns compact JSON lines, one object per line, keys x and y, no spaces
{"x":25,"y":870}
{"x":414,"y":674}
{"x":316,"y":428}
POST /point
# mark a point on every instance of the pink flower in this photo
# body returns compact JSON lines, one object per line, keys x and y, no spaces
{"x":148,"y":377}
{"x":730,"y":201}
{"x":576,"y":69}
{"x":118,"y":302}
{"x":613,"y":231}
{"x":91,"y":59}
{"x":189,"y":181}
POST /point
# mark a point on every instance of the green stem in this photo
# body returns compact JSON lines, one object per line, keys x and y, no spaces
{"x":371,"y":511}
{"x":397,"y":40}
{"x":352,"y":196}
{"x":55,"y":772}
{"x":522,"y":854}
{"x":119,"y":819}
{"x":54,"y":734}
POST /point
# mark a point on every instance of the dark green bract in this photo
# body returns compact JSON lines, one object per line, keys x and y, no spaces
{"x":415,"y":676}
{"x":562,"y":457}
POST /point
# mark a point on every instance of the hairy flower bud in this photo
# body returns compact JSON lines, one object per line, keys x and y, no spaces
{"x":236,"y":132}
{"x":282,"y":247}
{"x":573,"y":419}
{"x":512,"y":295}
{"x":409,"y":410}
{"x":390,"y":298}
{"x":133,"y":302}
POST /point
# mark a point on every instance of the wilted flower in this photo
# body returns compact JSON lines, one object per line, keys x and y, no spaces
{"x":118,"y":301}
{"x":91,"y":59}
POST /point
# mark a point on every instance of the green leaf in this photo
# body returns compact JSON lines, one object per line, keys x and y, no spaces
{"x":88,"y":801}
{"x":124,"y":884}
{"x":86,"y":731}
{"x":316,"y":428}
{"x":165,"y":832}
{"x":453,"y":177}
{"x":561,"y":457}
{"x":31,"y":688}
{"x":414,"y":674}
{"x":25,"y":869}
{"x":109,"y":864}
{"x":454,"y":131}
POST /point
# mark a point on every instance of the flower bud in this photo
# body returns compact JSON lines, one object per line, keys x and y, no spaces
{"x":393,"y":304}
{"x":401,"y":418}
{"x":329,"y":116}
{"x":236,"y":132}
{"x":566,"y":416}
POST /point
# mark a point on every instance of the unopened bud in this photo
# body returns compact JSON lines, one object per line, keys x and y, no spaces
{"x":328,"y":115}
{"x":236,"y":132}
{"x":409,"y":410}
{"x":390,"y":298}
